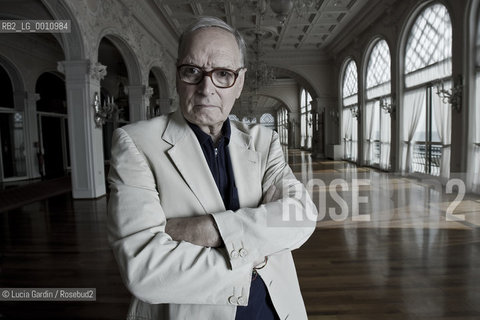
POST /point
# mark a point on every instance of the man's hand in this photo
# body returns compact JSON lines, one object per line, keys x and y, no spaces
{"x":200,"y":230}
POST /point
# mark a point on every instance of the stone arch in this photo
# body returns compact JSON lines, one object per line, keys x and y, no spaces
{"x":165,"y":101}
{"x":15,"y":76}
{"x":162,"y":81}
{"x":265,"y":92}
{"x":51,"y":83}
{"x":131,"y":62}
{"x":278,"y":99}
{"x":301,"y":80}
{"x":136,"y":88}
{"x":72,"y":42}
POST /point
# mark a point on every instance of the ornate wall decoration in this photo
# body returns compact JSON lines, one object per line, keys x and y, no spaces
{"x":98,"y":18}
{"x":98,"y":71}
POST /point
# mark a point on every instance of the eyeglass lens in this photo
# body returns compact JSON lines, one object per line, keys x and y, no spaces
{"x":222,"y":78}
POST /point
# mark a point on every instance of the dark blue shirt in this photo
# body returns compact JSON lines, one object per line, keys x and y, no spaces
{"x":260,"y":305}
{"x":218,"y":159}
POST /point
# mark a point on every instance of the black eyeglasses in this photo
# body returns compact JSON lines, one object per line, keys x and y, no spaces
{"x":221,"y":77}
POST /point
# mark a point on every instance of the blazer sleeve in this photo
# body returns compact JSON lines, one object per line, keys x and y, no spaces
{"x":282,"y":224}
{"x":155,"y":268}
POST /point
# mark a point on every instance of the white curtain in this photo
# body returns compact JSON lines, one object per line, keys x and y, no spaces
{"x":368,"y":134}
{"x":385,"y":138}
{"x":303,"y":130}
{"x":443,"y":115}
{"x":438,"y":70}
{"x":347,"y":132}
{"x":413,"y":106}
{"x":473,"y":178}
{"x":354,"y":138}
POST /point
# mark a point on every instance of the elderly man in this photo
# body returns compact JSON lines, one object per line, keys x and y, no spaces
{"x":204,"y":213}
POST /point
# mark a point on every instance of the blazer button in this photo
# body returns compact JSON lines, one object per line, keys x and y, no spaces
{"x":243,"y":253}
{"x":234,"y":254}
{"x":232,"y":300}
{"x":242,"y":301}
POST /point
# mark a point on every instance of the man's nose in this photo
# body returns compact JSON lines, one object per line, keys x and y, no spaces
{"x":206,"y":86}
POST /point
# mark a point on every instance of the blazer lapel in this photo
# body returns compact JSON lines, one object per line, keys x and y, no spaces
{"x":188,"y":157}
{"x":246,"y":168}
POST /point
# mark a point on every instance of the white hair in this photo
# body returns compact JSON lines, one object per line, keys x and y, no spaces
{"x":208,"y":22}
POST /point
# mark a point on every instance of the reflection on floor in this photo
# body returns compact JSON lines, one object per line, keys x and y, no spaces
{"x":395,"y":255}
{"x":17,"y":193}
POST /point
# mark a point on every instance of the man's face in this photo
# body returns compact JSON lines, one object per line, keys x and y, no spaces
{"x":204,"y":104}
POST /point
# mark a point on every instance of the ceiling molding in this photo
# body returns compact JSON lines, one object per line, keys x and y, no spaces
{"x":363,"y":20}
{"x":300,"y":35}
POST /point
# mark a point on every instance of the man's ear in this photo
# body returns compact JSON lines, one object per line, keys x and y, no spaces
{"x":240,"y":82}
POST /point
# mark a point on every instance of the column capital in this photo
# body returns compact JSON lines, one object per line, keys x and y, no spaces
{"x":97,"y":71}
{"x":148,"y":92}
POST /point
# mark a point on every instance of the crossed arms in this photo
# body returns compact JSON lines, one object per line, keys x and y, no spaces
{"x":178,"y":261}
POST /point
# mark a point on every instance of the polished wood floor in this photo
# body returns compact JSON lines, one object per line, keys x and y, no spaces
{"x":394,"y":256}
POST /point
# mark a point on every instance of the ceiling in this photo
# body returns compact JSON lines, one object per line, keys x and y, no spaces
{"x":304,"y":32}
{"x":310,"y":28}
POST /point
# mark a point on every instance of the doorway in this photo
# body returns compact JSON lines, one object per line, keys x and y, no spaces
{"x":53,"y":131}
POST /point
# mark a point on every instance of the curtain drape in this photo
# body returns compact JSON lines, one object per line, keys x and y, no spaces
{"x":368,"y":134}
{"x":385,"y":138}
{"x":347,"y":132}
{"x":413,"y":106}
{"x":354,"y":138}
{"x":442,"y":117}
{"x":438,"y":70}
{"x":473,"y":178}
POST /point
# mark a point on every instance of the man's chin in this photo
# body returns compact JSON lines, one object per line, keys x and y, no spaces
{"x":206,"y":121}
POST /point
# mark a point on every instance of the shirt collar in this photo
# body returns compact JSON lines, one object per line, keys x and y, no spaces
{"x":204,"y":137}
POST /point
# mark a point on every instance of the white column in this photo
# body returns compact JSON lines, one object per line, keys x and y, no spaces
{"x":318,"y":141}
{"x":294,"y":130}
{"x":32,"y":140}
{"x":137,"y":104}
{"x":86,"y":145}
{"x":149,"y":112}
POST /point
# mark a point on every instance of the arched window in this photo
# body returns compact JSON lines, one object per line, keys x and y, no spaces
{"x":249,"y":120}
{"x":350,"y":111}
{"x":282,"y":125}
{"x":12,"y":133}
{"x":233,"y":117}
{"x":7,"y":89}
{"x":267,"y":120}
{"x":426,"y":121}
{"x":378,"y":107}
{"x":52,"y":121}
{"x":306,"y":126}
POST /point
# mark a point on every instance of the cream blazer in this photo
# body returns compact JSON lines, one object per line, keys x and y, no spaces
{"x":158,"y":171}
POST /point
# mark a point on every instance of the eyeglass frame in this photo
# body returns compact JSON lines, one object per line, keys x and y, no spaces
{"x":209,"y":74}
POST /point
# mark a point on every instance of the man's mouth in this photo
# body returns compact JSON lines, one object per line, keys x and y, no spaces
{"x":200,"y":105}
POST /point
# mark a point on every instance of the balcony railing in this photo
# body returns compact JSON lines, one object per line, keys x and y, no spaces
{"x":426,"y":158}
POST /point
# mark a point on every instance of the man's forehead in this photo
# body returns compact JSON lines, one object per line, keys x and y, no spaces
{"x":210,"y":40}
{"x":209,"y":35}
